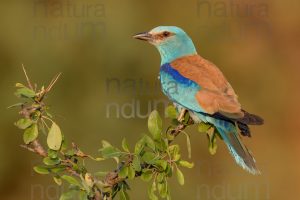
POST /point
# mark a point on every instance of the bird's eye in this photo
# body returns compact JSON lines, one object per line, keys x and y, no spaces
{"x":166,"y":33}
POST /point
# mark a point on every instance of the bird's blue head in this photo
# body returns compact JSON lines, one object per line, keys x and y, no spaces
{"x":172,"y":42}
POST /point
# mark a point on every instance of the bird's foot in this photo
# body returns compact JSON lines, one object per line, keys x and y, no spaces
{"x":180,"y":118}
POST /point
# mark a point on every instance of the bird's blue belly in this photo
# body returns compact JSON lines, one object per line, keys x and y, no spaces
{"x":179,"y":89}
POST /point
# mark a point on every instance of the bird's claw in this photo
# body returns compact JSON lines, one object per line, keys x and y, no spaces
{"x":180,"y":118}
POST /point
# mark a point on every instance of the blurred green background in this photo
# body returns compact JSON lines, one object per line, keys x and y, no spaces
{"x":109,"y":84}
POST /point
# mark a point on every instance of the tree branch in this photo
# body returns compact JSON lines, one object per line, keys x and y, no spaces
{"x":72,"y":161}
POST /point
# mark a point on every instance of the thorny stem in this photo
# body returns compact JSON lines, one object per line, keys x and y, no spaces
{"x":50,"y":86}
{"x":36,"y":146}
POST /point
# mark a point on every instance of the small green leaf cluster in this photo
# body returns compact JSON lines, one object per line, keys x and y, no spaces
{"x":34,"y":115}
{"x":212,"y":135}
{"x":203,"y":127}
{"x":62,"y":163}
{"x":153,"y":158}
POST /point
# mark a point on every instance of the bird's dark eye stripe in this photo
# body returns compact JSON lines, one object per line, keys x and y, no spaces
{"x":166,"y":33}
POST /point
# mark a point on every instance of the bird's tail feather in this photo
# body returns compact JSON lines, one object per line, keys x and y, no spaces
{"x":229,"y":133}
{"x":250,"y":119}
{"x":237,"y":149}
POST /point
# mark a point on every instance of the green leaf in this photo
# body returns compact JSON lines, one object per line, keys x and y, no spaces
{"x":52,"y":154}
{"x":186,"y":164}
{"x":212,"y":143}
{"x":58,"y":169}
{"x":169,"y":171}
{"x":57,"y":180}
{"x":67,"y":195}
{"x":160,"y":177}
{"x":161,"y":145}
{"x":70,"y":152}
{"x":117,"y":159}
{"x":20,"y":85}
{"x":180,"y":177}
{"x":110,"y":152}
{"x":23,"y":123}
{"x":123,"y":195}
{"x":136,"y":163}
{"x":88,"y":181}
{"x":171,"y":112}
{"x":71,"y":180}
{"x":170,"y":136}
{"x":139,"y":146}
{"x":123,"y":172}
{"x":155,"y":125}
{"x":151,"y":191}
{"x":149,"y":142}
{"x":165,"y":144}
{"x":147,"y":175}
{"x":105,"y":144}
{"x":15,"y":105}
{"x":161,"y":163}
{"x":25,"y":92}
{"x":96,"y":159}
{"x":162,"y":189}
{"x":41,"y":170}
{"x":131,"y":172}
{"x":174,"y":152}
{"x":125,"y":145}
{"x":31,"y":134}
{"x":54,"y":139}
{"x":50,"y":162}
{"x":48,"y":114}
{"x":188,"y":144}
{"x":101,"y":174}
{"x":149,"y":157}
{"x":83,"y":195}
{"x":203,"y":127}
{"x":64,"y":144}
{"x":174,"y":122}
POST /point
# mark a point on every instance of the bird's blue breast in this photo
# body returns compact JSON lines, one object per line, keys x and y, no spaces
{"x":178,"y":88}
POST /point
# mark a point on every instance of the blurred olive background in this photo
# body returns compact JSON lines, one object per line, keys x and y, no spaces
{"x":110,"y":82}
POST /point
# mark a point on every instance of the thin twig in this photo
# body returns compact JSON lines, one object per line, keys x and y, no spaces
{"x":54,"y":80}
{"x":44,"y":117}
{"x":27,"y":147}
{"x":50,"y":86}
{"x":27,"y":78}
{"x":44,"y":123}
{"x":35,"y":87}
{"x":39,"y":149}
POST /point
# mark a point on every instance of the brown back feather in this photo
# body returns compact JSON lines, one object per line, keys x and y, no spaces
{"x":216,"y":94}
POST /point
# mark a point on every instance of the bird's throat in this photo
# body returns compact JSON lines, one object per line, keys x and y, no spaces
{"x":173,"y":52}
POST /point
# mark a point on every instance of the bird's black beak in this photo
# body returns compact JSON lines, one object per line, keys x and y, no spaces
{"x":145,"y":36}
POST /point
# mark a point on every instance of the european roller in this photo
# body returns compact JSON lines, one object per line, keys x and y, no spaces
{"x":202,"y":90}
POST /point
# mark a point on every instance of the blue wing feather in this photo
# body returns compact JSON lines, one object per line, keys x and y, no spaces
{"x":179,"y":89}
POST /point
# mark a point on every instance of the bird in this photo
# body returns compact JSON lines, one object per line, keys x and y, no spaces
{"x":202,"y":90}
